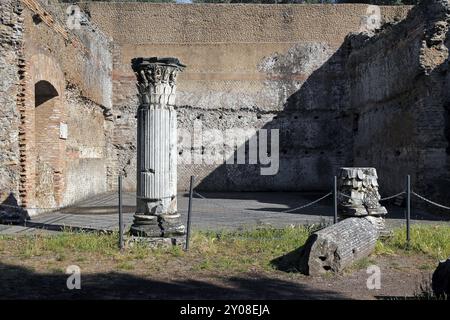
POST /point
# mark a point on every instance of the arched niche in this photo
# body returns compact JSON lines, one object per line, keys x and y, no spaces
{"x":43,"y":148}
{"x":47,"y":145}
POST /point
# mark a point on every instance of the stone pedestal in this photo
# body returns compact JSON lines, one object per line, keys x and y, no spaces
{"x":155,"y":242}
{"x":358,"y":193}
{"x":156,"y":203}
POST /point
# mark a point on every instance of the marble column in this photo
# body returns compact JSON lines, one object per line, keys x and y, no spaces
{"x":156,"y":196}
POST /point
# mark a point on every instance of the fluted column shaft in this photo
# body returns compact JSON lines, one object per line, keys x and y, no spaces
{"x":156,"y":202}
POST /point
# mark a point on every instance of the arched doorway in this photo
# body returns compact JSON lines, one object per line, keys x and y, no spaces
{"x":47,"y":145}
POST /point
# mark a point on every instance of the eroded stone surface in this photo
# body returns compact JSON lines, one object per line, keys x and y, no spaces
{"x":335,"y":247}
{"x":358,"y":192}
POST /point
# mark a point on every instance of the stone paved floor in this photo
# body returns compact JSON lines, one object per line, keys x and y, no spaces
{"x":218,"y":211}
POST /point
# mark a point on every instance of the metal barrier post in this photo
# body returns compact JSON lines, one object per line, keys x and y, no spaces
{"x":120,"y":214}
{"x":335,"y":218}
{"x":188,"y":232}
{"x":408,"y":210}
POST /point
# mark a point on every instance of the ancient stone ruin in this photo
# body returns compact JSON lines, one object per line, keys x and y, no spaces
{"x":341,"y":92}
{"x":156,"y":195}
{"x":358,"y":193}
{"x":359,"y":197}
{"x":338,"y":246}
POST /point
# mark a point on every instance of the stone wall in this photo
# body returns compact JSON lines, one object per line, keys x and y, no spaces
{"x":399,"y":94}
{"x":77,"y":63}
{"x":249,"y":66}
{"x":339,"y":97}
{"x":86,"y":148}
{"x":434,"y":116}
{"x":11,"y":74}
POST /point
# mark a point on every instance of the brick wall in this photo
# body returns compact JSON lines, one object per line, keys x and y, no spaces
{"x":76,"y":65}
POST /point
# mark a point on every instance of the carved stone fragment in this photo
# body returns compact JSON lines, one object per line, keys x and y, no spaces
{"x":358,"y":193}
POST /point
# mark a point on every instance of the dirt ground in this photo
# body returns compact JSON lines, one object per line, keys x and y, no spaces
{"x":45,"y":278}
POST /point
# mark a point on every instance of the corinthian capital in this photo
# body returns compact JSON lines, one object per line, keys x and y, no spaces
{"x":156,"y":79}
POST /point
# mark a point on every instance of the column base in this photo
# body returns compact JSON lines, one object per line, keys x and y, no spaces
{"x":164,"y":226}
{"x":155,"y":242}
{"x":362,"y":211}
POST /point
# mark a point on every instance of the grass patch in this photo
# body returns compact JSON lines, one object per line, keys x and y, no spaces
{"x":381,"y":248}
{"x":218,"y":251}
{"x":229,"y":251}
{"x":64,"y":244}
{"x":246,"y":250}
{"x":125,"y":265}
{"x":433,"y":241}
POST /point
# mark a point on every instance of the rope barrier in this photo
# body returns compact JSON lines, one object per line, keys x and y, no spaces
{"x":393,"y":196}
{"x":382,"y":199}
{"x":285,"y":211}
{"x":404,"y":192}
{"x":431,"y":202}
{"x":308,"y":204}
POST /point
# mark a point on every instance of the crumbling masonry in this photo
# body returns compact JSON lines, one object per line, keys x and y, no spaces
{"x":341,"y":96}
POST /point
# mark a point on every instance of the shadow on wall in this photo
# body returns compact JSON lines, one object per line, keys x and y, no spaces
{"x":439,"y":187}
{"x":11,"y":212}
{"x":375,"y":102}
{"x":22,"y":283}
{"x":401,"y":94}
{"x":315,"y":135}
